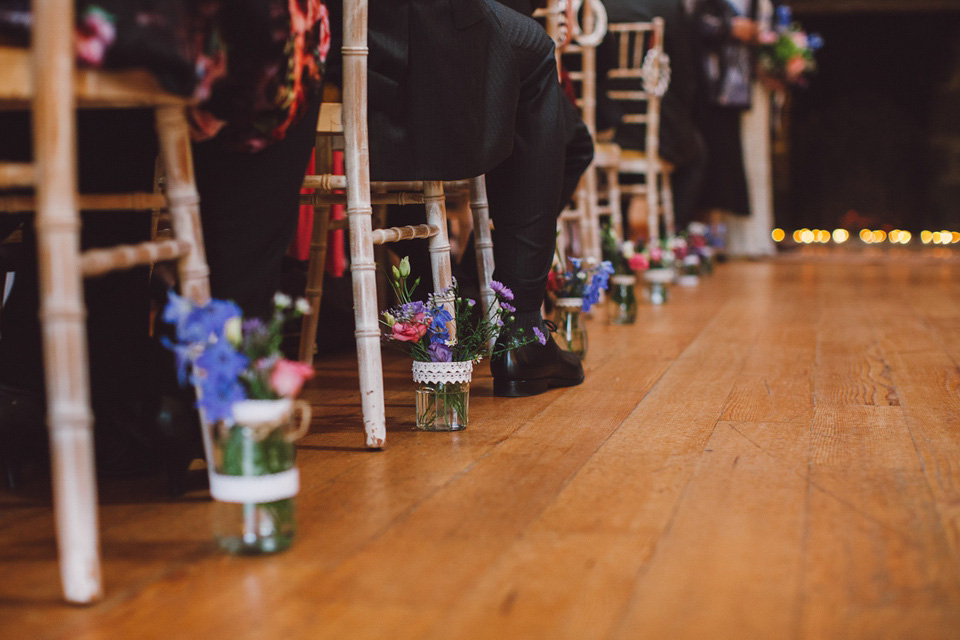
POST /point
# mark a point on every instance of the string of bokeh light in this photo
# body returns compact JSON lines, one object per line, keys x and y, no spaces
{"x":867,"y":236}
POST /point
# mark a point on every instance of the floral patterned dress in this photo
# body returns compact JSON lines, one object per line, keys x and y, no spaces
{"x":251,"y":65}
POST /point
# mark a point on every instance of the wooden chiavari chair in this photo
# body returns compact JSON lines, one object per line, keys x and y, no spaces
{"x":44,"y":80}
{"x":640,"y":59}
{"x":348,"y":121}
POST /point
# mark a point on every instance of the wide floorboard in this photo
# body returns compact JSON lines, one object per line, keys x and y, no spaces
{"x":772,"y":454}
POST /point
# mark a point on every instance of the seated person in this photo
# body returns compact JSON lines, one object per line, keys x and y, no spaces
{"x":255,"y":132}
{"x":468,"y":87}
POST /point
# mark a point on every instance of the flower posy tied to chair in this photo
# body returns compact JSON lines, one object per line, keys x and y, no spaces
{"x":245,"y":391}
{"x":786,"y":54}
{"x":446,"y":336}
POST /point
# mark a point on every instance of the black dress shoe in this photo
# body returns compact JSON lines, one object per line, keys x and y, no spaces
{"x":533,"y":369}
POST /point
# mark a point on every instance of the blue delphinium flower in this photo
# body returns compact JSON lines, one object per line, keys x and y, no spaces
{"x":207,"y":321}
{"x":783,"y":16}
{"x":438,"y":327}
{"x":503,"y":292}
{"x":218,"y":380}
{"x":814,"y":41}
{"x":217,"y":394}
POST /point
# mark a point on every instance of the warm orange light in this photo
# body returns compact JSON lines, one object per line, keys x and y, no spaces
{"x":807,"y":236}
{"x":866,"y":235}
{"x":840,"y":235}
{"x":905,"y":237}
{"x":926,"y":237}
{"x":935,"y":238}
{"x":796,"y":236}
{"x":955,"y":236}
{"x":778,"y":235}
{"x":879,"y":235}
{"x":894,"y":236}
{"x":823,"y":236}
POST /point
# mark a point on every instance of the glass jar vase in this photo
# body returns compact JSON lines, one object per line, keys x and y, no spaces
{"x":658,"y":285}
{"x":443,"y":395}
{"x":253,"y":475}
{"x":623,"y":299}
{"x":571,"y":326}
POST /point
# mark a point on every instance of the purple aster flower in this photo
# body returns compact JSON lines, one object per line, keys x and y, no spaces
{"x":542,"y":339}
{"x":506,"y":306}
{"x":440,"y":352}
{"x":501,"y":290}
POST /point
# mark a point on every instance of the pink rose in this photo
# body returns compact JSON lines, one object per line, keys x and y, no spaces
{"x":795,"y":67}
{"x":638,"y":262}
{"x":408,"y":331}
{"x":287,"y":377}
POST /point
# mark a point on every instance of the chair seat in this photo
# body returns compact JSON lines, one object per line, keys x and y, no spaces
{"x":606,"y":154}
{"x":635,"y":161}
{"x":124,"y":88}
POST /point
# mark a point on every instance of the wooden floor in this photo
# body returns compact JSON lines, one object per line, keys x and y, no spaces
{"x":773,"y":454}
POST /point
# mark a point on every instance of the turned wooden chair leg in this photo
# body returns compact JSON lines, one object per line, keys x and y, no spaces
{"x":666,"y":197}
{"x":62,"y":311}
{"x":183,"y":201}
{"x":483,"y":242}
{"x":653,"y":207}
{"x":318,"y":259}
{"x":613,"y":192}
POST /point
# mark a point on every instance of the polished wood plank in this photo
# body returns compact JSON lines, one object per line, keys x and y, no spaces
{"x":772,"y":454}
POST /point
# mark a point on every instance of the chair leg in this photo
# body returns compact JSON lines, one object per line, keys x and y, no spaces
{"x":653,"y":206}
{"x":62,"y":310}
{"x":590,"y":226}
{"x":613,"y":193}
{"x":314,"y":289}
{"x":439,"y":244}
{"x":183,"y":201}
{"x":667,"y":198}
{"x":318,"y":259}
{"x":480,"y":208}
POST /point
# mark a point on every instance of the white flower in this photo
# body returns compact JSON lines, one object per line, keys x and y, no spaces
{"x":281,"y":300}
{"x":233,"y":330}
{"x":302,"y":306}
{"x":697,"y":229}
{"x":627,"y":249}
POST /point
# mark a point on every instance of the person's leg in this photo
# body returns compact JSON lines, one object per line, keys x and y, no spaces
{"x":524,"y":191}
{"x":524,"y":194}
{"x":249,"y":207}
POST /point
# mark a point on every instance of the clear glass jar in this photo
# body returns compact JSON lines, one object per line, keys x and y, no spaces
{"x":571,"y":326}
{"x":658,"y":285}
{"x":255,"y":478}
{"x":623,"y":299}
{"x":443,"y":395}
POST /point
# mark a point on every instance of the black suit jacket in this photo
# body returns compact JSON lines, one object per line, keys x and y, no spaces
{"x":443,"y":90}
